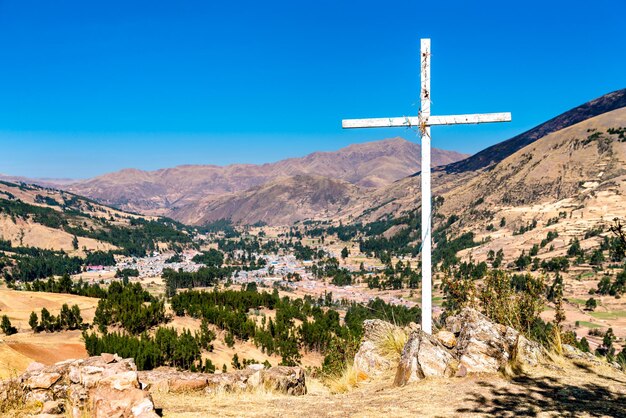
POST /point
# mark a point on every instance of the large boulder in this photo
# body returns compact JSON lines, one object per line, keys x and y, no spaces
{"x":287,"y":380}
{"x":424,"y":356}
{"x":370,"y":358}
{"x":528,"y":353}
{"x":486,"y":347}
{"x":471,"y":344}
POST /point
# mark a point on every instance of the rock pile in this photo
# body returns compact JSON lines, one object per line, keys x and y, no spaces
{"x":102,"y":386}
{"x":109,"y":386}
{"x":471,"y":344}
{"x":288,"y":380}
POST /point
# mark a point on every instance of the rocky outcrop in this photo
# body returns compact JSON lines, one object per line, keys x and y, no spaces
{"x":287,"y":380}
{"x":109,"y":386}
{"x":102,"y":386}
{"x":370,"y":359}
{"x":424,"y":356}
{"x":486,"y":347}
{"x":470,"y":344}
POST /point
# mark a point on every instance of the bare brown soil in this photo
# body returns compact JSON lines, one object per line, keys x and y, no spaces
{"x":19,"y":350}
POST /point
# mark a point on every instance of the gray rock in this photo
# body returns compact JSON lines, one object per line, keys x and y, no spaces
{"x":483,"y":346}
{"x":369,"y":359}
{"x":424,"y":356}
{"x":288,"y":380}
{"x":446,"y":338}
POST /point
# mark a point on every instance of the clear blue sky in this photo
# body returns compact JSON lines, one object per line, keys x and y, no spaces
{"x":88,"y":87}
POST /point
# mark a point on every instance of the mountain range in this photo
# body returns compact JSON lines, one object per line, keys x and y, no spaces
{"x":194,"y":194}
{"x":553,"y":174}
{"x":371,"y":180}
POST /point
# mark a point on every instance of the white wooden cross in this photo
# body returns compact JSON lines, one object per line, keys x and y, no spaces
{"x":424,"y":121}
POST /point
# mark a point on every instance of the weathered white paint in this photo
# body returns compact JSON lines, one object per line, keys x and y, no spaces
{"x":414,"y":121}
{"x":469,"y":119}
{"x":427,"y":299}
{"x":381,"y":122}
{"x":423,"y":122}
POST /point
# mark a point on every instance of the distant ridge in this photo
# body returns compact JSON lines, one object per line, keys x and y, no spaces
{"x":500,"y":151}
{"x":181,"y":190}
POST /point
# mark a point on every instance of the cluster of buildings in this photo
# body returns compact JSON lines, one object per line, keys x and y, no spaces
{"x":277,"y":268}
{"x":153,"y":265}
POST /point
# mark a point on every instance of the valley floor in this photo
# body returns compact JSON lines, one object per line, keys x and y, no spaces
{"x":569,"y":389}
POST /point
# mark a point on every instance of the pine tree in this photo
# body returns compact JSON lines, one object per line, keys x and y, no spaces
{"x":235,"y":362}
{"x":6,"y":326}
{"x":33,"y":321}
{"x":559,"y":312}
{"x":46,"y":320}
{"x":607,"y":348}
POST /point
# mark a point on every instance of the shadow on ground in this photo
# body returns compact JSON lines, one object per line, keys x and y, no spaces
{"x":530,"y":396}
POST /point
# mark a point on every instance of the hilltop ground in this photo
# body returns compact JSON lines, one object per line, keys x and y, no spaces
{"x":566,"y":389}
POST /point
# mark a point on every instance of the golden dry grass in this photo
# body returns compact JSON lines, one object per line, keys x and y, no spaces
{"x":13,"y":402}
{"x":11,"y":362}
{"x":390,"y":342}
{"x":349,"y":379}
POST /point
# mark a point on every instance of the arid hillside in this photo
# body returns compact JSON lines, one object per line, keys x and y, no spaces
{"x":183,"y":192}
{"x":19,"y":350}
{"x":576,"y":175}
{"x":33,"y":216}
{"x":500,"y":151}
{"x":48,"y":219}
{"x":282,"y":201}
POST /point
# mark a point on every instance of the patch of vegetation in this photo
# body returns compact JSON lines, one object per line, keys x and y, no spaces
{"x":66,"y":285}
{"x":204,"y":277}
{"x":587,"y":324}
{"x":525,"y":228}
{"x":68,"y":319}
{"x":220,"y":225}
{"x":130,"y":307}
{"x":611,"y":315}
{"x":6,"y":327}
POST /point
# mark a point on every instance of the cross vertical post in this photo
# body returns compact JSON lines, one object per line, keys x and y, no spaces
{"x":426,"y":192}
{"x":424,"y":121}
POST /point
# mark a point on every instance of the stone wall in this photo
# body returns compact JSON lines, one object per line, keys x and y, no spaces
{"x":102,"y":386}
{"x":287,"y":380}
{"x":109,"y":386}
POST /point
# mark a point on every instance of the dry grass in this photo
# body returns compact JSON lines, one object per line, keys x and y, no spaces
{"x":556,"y":344}
{"x":349,"y":379}
{"x":13,"y":399}
{"x":390,"y":342}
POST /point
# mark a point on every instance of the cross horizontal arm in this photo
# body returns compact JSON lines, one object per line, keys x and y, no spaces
{"x":381,"y":122}
{"x":408,"y":121}
{"x":468,"y":119}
